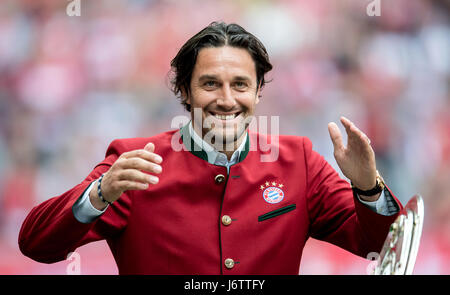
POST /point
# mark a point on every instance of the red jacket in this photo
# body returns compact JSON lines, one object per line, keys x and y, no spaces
{"x":176,"y":226}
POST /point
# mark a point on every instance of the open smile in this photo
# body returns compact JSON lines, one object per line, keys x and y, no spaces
{"x":225,"y":116}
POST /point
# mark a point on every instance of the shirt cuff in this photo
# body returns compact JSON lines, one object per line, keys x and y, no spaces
{"x":83,"y":210}
{"x":384,"y":204}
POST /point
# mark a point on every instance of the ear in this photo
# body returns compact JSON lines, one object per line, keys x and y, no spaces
{"x":185,"y":96}
{"x":258,"y":94}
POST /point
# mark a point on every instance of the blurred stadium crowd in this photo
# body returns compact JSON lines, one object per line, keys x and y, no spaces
{"x":70,"y":85}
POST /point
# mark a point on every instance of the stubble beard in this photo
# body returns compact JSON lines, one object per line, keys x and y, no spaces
{"x":223,"y":136}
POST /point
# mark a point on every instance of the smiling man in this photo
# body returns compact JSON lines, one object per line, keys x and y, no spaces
{"x":224,"y":87}
{"x":215,"y":207}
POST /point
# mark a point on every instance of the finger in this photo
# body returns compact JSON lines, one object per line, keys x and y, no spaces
{"x":140,"y":164}
{"x":353,"y":132}
{"x":364,"y":137}
{"x":350,"y":128}
{"x":346,"y":122}
{"x":137,"y":176}
{"x":126,"y":185}
{"x":336,"y":136}
{"x":150,"y":147}
{"x":355,"y":135}
{"x":144,"y":154}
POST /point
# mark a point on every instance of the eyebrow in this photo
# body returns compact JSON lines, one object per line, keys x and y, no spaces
{"x":207,"y":77}
{"x":214,"y":77}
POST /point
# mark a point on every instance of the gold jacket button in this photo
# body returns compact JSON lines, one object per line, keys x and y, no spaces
{"x":229,"y":263}
{"x":226,"y":220}
{"x":219,"y":178}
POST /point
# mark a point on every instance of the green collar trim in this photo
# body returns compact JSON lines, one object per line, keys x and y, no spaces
{"x":198,"y":151}
{"x":245,"y":150}
{"x":190,"y":144}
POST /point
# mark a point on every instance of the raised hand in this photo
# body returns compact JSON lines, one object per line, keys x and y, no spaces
{"x":357,"y":159}
{"x":127,"y":173}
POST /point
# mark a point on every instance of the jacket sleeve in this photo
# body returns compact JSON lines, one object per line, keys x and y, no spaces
{"x":336,"y":215}
{"x":51,"y":231}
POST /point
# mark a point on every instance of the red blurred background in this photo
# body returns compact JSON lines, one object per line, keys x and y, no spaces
{"x":71,"y":84}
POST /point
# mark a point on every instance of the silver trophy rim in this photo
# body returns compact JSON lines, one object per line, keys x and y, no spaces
{"x":405,"y":234}
{"x":416,"y":206}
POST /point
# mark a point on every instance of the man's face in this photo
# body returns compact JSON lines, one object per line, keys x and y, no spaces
{"x":225,"y":92}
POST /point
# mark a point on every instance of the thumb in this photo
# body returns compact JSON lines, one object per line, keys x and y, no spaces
{"x":149,"y":147}
{"x":336,"y":136}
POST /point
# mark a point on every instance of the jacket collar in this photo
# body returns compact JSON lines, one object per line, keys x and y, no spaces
{"x":198,"y":147}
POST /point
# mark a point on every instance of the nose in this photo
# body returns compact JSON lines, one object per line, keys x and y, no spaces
{"x":226,"y":99}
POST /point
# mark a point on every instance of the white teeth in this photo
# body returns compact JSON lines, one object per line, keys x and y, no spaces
{"x":225,"y":117}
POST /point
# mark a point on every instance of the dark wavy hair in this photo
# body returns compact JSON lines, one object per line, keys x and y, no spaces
{"x":217,"y":34}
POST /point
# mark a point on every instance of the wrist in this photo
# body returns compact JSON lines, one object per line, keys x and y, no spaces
{"x":94,"y":198}
{"x":373,"y":198}
{"x":99,"y":191}
{"x":367,"y":186}
{"x":374,"y":191}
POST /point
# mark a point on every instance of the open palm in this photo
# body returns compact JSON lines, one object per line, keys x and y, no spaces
{"x":357,"y":159}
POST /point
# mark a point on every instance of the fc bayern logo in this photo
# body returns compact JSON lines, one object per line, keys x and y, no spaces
{"x":273,"y":195}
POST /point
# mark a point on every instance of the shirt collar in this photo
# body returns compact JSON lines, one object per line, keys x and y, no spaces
{"x":214,"y":156}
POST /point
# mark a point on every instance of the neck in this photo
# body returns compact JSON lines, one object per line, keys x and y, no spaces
{"x":229,"y":149}
{"x":226,"y":148}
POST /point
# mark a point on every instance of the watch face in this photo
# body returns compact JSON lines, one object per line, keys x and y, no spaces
{"x":380,"y":183}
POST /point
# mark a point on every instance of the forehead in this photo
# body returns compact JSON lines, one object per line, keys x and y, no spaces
{"x":225,"y":62}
